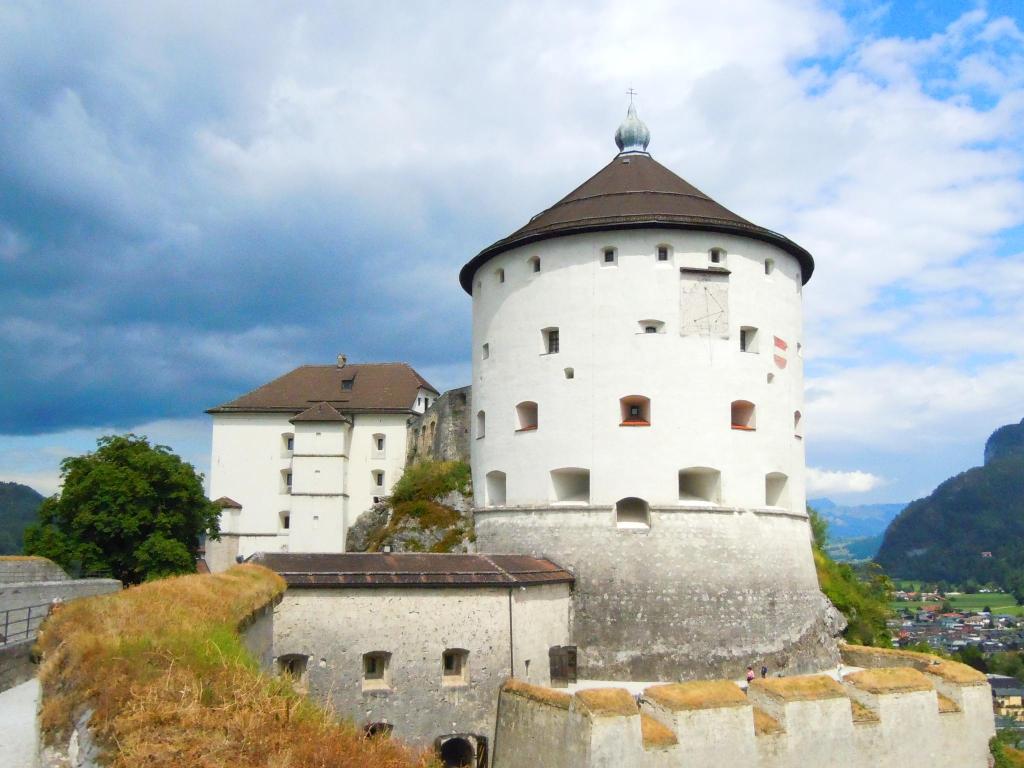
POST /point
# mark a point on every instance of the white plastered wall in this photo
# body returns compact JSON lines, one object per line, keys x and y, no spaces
{"x":690,"y":380}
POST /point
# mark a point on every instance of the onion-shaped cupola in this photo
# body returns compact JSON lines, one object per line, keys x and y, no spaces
{"x":632,"y":135}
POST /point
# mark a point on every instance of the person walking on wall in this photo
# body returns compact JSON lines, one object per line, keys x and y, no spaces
{"x":750,"y":675}
{"x":764,"y":671}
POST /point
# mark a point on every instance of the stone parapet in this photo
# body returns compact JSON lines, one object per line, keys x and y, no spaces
{"x":885,"y":716}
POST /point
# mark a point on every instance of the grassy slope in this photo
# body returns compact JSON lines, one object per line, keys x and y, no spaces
{"x":172,"y":685}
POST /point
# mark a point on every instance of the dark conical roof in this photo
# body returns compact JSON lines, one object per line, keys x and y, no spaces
{"x":633,"y":191}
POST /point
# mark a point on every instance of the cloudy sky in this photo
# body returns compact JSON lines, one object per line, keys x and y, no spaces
{"x":195,"y":197}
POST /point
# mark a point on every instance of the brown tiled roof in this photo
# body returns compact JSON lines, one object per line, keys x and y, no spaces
{"x":375,"y":569}
{"x":629,"y":195}
{"x":375,"y":387}
{"x":226,"y":502}
{"x":319,"y":412}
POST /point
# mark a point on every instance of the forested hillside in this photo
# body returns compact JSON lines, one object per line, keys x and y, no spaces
{"x":970,"y":527}
{"x":18,"y":506}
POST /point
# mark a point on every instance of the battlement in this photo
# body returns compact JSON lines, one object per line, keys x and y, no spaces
{"x":898,"y":710}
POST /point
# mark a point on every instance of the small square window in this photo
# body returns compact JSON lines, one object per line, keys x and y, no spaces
{"x":662,"y":253}
{"x":608,"y":257}
{"x":346,"y":385}
{"x":454,"y":667}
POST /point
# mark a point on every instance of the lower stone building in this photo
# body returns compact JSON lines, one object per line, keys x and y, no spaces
{"x":420,"y":644}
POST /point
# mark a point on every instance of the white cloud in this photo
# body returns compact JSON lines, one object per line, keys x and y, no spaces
{"x":837,"y":481}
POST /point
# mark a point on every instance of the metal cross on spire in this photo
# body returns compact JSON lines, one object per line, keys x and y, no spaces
{"x":631,"y":93}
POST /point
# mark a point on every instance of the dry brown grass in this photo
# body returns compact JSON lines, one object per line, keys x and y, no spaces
{"x":656,"y":735}
{"x":698,"y":694}
{"x":951,"y":671}
{"x":947,"y":705}
{"x":607,"y":702}
{"x":801,"y":688}
{"x":765,"y":724}
{"x":537,"y":693}
{"x":885,"y":680}
{"x":170,"y":683}
{"x":863,"y":714}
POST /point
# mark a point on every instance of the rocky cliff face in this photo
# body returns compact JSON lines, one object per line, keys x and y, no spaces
{"x":1005,"y":442}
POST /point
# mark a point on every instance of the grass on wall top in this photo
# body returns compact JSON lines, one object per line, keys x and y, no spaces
{"x":170,"y":683}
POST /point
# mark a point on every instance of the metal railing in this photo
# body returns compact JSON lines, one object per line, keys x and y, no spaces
{"x":19,"y":624}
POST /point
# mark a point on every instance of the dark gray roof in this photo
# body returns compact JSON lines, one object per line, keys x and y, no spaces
{"x":633,"y":191}
{"x":410,"y":569}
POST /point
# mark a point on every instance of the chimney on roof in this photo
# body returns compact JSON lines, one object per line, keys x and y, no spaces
{"x":342,"y":359}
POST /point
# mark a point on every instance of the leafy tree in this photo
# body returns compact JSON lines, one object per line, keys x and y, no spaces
{"x":819,"y":528}
{"x":972,"y":656}
{"x":129,"y":510}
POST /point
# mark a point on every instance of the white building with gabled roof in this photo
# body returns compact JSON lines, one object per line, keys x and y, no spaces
{"x":295,"y":461}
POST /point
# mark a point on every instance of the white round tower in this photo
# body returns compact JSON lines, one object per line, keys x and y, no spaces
{"x":637,"y":388}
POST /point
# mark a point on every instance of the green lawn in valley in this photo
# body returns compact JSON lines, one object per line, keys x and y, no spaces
{"x":999,"y":602}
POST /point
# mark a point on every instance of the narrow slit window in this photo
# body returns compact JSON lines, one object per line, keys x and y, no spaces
{"x":769,"y":266}
{"x":481,"y":424}
{"x":663,"y":253}
{"x":378,"y":479}
{"x":552,"y":341}
{"x":535,"y":264}
{"x":717,"y":256}
{"x":500,"y":275}
{"x":748,"y":339}
{"x":798,"y":427}
{"x":485,"y":351}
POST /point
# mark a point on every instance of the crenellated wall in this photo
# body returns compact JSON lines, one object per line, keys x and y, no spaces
{"x":930,"y":715}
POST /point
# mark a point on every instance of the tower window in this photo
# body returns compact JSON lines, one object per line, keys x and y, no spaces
{"x":700,"y":485}
{"x":289,"y":442}
{"x":632,"y":513}
{"x":551,"y":341}
{"x":609,"y":256}
{"x":798,"y":428}
{"x":744,"y":415}
{"x":481,"y":424}
{"x":500,"y":274}
{"x":293,"y":666}
{"x":717,"y":256}
{"x":346,"y":385}
{"x":635,"y":411}
{"x":663,"y":253}
{"x":495,"y":488}
{"x":286,"y":478}
{"x":571,"y":485}
{"x":769,"y":266}
{"x":526,"y":413}
{"x":378,"y":479}
{"x":286,"y":521}
{"x":748,"y":339}
{"x":376,"y":671}
{"x":485,"y":351}
{"x":776,"y":490}
{"x":378,"y":446}
{"x":454,"y":667}
{"x":570,"y":373}
{"x":535,"y":263}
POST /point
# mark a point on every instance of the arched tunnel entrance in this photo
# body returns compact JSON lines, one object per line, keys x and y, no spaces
{"x":462,"y":751}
